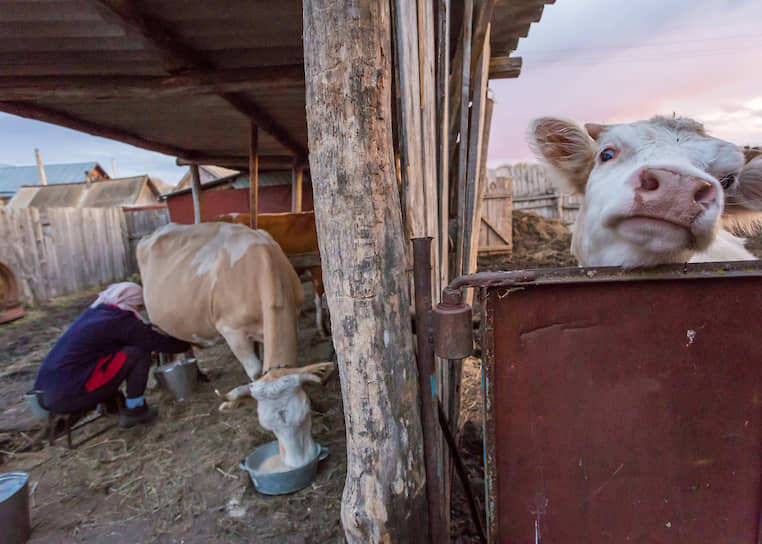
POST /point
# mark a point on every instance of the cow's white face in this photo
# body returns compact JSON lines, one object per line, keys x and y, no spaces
{"x":654,"y":190}
{"x":284,"y":408}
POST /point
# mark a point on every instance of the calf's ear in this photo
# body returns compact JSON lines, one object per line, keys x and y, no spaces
{"x":749,"y":189}
{"x":566,"y":147}
{"x":743,"y":200}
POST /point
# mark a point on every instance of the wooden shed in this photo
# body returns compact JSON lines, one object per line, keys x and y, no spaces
{"x":386,"y":103}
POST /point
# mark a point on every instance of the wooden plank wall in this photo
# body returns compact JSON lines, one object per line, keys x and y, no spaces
{"x":22,"y":249}
{"x":59,"y":251}
{"x":139,"y":224}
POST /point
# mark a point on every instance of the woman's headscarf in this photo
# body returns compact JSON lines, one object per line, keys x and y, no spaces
{"x":125,"y":295}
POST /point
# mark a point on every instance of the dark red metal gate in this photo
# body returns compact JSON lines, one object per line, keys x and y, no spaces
{"x":624,"y":407}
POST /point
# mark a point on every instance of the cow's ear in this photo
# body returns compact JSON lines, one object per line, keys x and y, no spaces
{"x":748,"y":189}
{"x":566,"y":147}
{"x":272,"y":389}
{"x":317,"y":373}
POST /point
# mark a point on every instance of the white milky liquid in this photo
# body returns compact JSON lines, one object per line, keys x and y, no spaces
{"x":273,"y":464}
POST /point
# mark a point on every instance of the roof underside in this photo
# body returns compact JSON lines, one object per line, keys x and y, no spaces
{"x":182,"y":77}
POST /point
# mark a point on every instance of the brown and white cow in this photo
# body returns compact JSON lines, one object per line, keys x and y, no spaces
{"x":204,"y":281}
{"x":296,"y":234}
{"x":654,"y":191}
{"x":283,"y":407}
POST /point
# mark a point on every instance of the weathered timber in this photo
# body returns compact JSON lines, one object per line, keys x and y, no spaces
{"x":504,"y":67}
{"x":269,"y":162}
{"x":196,"y":192}
{"x":476,"y":151}
{"x":483,"y":15}
{"x":253,"y":175}
{"x":443,"y":123}
{"x":462,"y":164}
{"x":297,"y":177}
{"x":359,"y":225}
{"x":119,"y":86}
{"x":406,"y":33}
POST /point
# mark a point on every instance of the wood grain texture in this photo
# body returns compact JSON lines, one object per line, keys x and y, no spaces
{"x":357,"y":207}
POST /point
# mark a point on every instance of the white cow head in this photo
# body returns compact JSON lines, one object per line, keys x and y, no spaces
{"x":284,"y":408}
{"x":654,"y":190}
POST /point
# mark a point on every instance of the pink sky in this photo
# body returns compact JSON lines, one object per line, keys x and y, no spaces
{"x":603,"y":61}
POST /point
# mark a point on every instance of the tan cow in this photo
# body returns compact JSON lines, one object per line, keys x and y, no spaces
{"x":204,"y":281}
{"x":296,"y":234}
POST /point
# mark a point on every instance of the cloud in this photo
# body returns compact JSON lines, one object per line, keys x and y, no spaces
{"x":616,"y":62}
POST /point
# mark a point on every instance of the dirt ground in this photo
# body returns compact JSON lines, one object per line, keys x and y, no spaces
{"x":177,"y":480}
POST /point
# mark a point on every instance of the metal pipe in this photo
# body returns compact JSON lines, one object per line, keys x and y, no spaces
{"x":462,"y":474}
{"x":427,"y":383}
{"x":517,"y":278}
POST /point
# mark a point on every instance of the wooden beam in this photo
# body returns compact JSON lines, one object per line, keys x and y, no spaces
{"x":249,"y":108}
{"x":266,"y":162}
{"x":118,"y":86}
{"x":56,"y":117}
{"x":462,"y":163}
{"x":297,"y":174}
{"x":253,"y":175}
{"x":443,"y":123}
{"x":196,"y":192}
{"x":358,"y":216}
{"x":178,"y":58}
{"x":504,"y":67}
{"x":483,"y":15}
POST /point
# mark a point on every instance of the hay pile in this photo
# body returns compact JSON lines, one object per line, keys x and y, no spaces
{"x":538,"y":242}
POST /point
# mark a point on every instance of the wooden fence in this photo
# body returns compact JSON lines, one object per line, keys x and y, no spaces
{"x":535,"y":191}
{"x":64,"y":250}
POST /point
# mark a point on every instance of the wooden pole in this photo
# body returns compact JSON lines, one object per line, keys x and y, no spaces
{"x":253,"y":174}
{"x":297,"y":174}
{"x":358,"y":214}
{"x":43,"y":178}
{"x":196,"y":192}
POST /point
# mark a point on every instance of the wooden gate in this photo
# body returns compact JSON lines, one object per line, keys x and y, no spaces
{"x":495,"y":232}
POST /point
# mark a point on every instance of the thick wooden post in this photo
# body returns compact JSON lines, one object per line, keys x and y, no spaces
{"x":253,"y":174}
{"x":347,"y":53}
{"x":196,"y":193}
{"x":297,"y":174}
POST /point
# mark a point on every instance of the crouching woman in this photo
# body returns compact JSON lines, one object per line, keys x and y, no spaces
{"x":109,"y":343}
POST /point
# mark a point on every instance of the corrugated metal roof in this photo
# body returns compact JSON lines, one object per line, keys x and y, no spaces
{"x":14,"y":177}
{"x":103,"y":194}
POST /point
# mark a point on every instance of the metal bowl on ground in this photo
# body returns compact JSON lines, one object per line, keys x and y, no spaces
{"x":178,"y":377}
{"x":280,"y":483}
{"x":15,"y":526}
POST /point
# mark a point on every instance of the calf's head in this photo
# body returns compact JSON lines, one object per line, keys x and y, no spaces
{"x":654,"y":190}
{"x":283,"y":407}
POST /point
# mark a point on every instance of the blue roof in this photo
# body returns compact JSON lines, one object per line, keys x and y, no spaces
{"x":13,"y":177}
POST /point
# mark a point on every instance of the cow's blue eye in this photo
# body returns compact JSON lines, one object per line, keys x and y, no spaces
{"x":608,"y":154}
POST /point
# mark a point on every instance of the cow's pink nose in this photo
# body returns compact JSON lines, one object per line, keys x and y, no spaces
{"x":658,"y":182}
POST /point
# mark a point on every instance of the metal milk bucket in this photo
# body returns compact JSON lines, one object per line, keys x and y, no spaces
{"x":15,"y":526}
{"x":178,"y":377}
